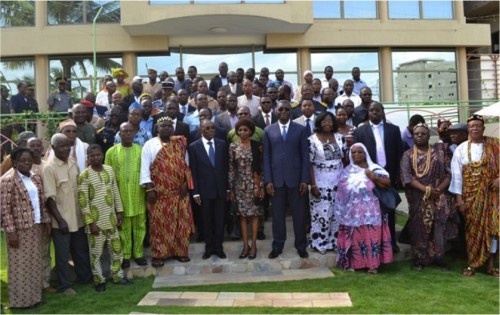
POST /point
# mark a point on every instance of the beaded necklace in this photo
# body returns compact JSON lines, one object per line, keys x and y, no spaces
{"x":427,"y":162}
{"x":474,"y":164}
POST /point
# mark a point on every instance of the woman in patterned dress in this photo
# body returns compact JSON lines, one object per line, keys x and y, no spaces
{"x":246,"y":183}
{"x":24,"y":219}
{"x":364,"y":239}
{"x":325,"y":152}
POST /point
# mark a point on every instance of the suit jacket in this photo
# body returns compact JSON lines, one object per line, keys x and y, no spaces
{"x":209,"y":182}
{"x":239,"y":89}
{"x":215,"y":84}
{"x":222,"y":121}
{"x":261,"y":123}
{"x":190,"y":109}
{"x":286,"y":162}
{"x":128,"y":100}
{"x":297,"y":109}
{"x":302,"y":121}
{"x":219,"y":134}
{"x":392,"y":144}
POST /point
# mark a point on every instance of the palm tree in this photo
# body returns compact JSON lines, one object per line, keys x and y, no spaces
{"x":17,"y":13}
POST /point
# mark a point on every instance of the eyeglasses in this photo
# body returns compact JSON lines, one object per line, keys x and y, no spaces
{"x":281,"y":109}
{"x":266,"y":102}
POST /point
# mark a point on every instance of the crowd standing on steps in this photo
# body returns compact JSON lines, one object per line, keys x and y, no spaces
{"x":177,"y":159}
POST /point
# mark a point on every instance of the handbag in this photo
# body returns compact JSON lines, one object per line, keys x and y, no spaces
{"x":388,"y":198}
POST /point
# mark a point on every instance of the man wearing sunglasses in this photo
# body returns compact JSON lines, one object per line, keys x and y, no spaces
{"x":60,"y":101}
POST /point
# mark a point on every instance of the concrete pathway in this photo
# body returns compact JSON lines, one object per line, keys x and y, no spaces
{"x":247,"y":299}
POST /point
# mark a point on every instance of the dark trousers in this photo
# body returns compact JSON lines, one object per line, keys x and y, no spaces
{"x":212,"y":215}
{"x":76,"y":245}
{"x":391,"y":216}
{"x":283,"y":197}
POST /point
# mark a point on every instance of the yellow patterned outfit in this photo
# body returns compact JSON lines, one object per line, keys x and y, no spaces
{"x":99,"y":202}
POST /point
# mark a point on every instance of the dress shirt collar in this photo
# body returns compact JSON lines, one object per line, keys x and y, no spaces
{"x":287,"y":125}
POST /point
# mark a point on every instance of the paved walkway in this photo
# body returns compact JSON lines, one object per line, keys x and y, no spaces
{"x":247,"y":299}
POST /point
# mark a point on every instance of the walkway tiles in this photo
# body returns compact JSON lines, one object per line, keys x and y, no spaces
{"x":248,"y":299}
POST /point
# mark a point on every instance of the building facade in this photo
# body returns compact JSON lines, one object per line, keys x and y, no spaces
{"x":383,"y":38}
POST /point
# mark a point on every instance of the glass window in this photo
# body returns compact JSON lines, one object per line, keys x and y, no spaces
{"x":79,"y":69}
{"x":16,"y":70}
{"x":17,"y":13}
{"x":437,"y":9}
{"x":80,"y":12}
{"x":344,"y":9}
{"x":286,"y":61}
{"x":420,"y":76}
{"x":420,"y":9}
{"x":160,"y":63}
{"x":343,"y":62}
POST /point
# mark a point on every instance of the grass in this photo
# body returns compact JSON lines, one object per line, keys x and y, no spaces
{"x":396,"y":289}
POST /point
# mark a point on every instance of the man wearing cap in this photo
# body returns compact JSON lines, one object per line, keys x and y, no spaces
{"x":61,"y":100}
{"x":458,"y":134}
{"x":475,"y":183}
{"x":152,"y":86}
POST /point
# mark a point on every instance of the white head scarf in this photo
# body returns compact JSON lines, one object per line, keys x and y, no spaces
{"x":371,"y":165}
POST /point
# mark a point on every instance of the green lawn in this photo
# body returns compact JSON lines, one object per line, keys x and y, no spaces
{"x":396,"y":289}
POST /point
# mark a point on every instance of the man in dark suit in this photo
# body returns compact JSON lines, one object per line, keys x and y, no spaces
{"x":206,"y":113}
{"x":227,"y":119}
{"x":171,"y":110}
{"x":219,"y":80}
{"x":184,"y":106}
{"x":265,"y":117}
{"x":209,"y":168}
{"x":137,"y":89}
{"x":286,"y":175}
{"x":385,"y":149}
{"x":233,"y":87}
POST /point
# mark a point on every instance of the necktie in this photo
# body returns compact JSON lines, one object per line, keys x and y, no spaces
{"x":267,"y":120}
{"x":308,"y":126}
{"x":184,"y":110}
{"x":380,"y":146}
{"x":211,"y":153}
{"x":283,"y":133}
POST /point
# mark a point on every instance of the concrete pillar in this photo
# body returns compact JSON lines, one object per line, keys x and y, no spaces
{"x":40,"y":14}
{"x":386,"y":82}
{"x":42,"y":88}
{"x":129,"y":64}
{"x":458,"y":11}
{"x":383,"y":10}
{"x":304,"y":62}
{"x":462,"y":86}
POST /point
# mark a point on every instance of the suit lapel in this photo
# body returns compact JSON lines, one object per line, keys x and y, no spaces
{"x":204,"y":153}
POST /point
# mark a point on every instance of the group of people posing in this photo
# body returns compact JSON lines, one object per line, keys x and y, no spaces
{"x":166,"y":164}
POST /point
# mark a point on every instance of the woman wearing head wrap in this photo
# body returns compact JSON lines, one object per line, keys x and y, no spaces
{"x":121,"y":86}
{"x":364,"y":239}
{"x":307,"y":77}
{"x":425,"y":175}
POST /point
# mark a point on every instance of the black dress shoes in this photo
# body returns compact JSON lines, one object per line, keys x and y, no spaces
{"x":141,"y":261}
{"x":206,"y":255}
{"x":395,"y":249}
{"x":101,"y":287}
{"x":273,"y":254}
{"x":303,"y":253}
{"x":125,"y":264}
{"x":221,"y":255}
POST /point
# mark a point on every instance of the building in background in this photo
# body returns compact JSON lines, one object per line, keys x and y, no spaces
{"x":43,"y":39}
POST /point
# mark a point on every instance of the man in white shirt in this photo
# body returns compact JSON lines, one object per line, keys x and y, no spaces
{"x":248,"y":99}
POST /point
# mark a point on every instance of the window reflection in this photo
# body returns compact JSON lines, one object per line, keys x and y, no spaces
{"x":344,"y":9}
{"x":80,"y":12}
{"x":424,"y":76}
{"x":420,"y":9}
{"x":79,"y":69}
{"x":17,"y":13}
{"x":343,"y":62}
{"x":15,"y":70}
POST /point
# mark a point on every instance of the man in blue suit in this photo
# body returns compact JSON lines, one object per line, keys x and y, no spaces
{"x":209,"y":167}
{"x":286,"y":175}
